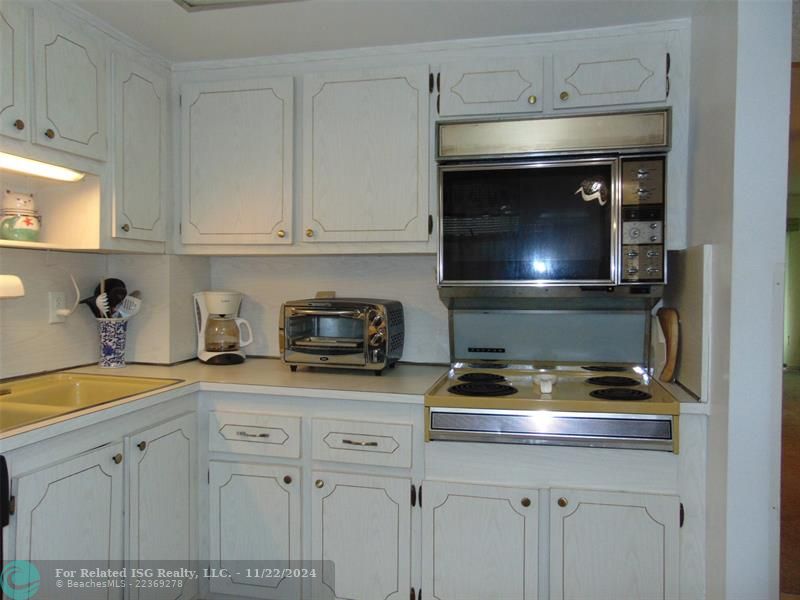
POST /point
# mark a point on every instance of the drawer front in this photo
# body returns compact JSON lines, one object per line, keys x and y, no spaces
{"x":254,"y":433}
{"x":383,"y":444}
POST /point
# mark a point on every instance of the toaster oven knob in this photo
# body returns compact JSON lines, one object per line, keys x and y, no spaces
{"x":632,"y":254}
{"x":376,"y":340}
{"x":653,"y":238}
{"x":377,"y":321}
{"x":633,"y":271}
{"x":642,"y":173}
{"x":652,"y":253}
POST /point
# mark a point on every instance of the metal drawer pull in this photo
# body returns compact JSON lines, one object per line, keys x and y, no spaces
{"x":357,"y":443}
{"x":255,"y":435}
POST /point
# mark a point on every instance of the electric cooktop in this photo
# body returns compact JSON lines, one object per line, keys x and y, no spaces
{"x":601,"y":405}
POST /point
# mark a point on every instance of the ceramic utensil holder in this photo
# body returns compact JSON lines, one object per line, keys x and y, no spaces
{"x":112,"y":342}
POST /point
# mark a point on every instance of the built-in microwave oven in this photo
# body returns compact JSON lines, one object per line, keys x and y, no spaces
{"x":552,"y":203}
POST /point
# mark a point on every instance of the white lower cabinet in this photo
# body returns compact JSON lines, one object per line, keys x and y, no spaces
{"x":479,"y":542}
{"x":255,"y":523}
{"x":162,"y":463}
{"x":362,"y":524}
{"x":72,"y":511}
{"x":613,"y":545}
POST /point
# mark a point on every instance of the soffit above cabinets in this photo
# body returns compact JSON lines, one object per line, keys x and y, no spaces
{"x":318,"y":25}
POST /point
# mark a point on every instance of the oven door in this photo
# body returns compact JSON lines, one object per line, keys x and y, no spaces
{"x":330,"y":336}
{"x":535,"y":223}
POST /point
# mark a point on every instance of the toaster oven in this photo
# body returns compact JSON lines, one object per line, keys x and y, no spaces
{"x":342,"y":332}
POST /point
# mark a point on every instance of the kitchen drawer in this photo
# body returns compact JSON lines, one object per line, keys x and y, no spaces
{"x":362,"y":442}
{"x":254,"y":433}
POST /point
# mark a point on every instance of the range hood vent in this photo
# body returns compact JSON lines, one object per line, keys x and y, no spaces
{"x":193,"y":5}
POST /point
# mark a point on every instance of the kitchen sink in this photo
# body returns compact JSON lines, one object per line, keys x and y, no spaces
{"x":33,"y":399}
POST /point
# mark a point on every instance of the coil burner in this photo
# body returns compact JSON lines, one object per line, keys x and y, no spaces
{"x":612,"y":380}
{"x":481,"y":378}
{"x":620,"y":394}
{"x":482,"y":389}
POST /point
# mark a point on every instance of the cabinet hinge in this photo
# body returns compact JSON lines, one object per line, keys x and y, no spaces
{"x":681,"y":516}
{"x":430,"y":83}
{"x":413,"y":495}
{"x":180,"y":100}
{"x":208,"y":475}
{"x":419,"y":594}
{"x":669,"y":64}
{"x":438,"y":103}
{"x":12,"y":505}
{"x":413,"y":595}
{"x":180,"y":227}
{"x":438,"y":82}
{"x":419,"y":495}
{"x":430,"y":224}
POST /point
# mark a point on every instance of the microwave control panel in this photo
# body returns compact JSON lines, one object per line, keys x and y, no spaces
{"x":643,"y":213}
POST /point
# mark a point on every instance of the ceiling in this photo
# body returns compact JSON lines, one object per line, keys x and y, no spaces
{"x":315,"y":25}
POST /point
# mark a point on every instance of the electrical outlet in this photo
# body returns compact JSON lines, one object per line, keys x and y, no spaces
{"x":58,"y":301}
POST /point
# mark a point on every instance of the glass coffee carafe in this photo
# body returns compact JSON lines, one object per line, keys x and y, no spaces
{"x":223,"y":334}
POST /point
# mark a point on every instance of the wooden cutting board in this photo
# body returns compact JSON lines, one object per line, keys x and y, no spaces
{"x":670,"y":325}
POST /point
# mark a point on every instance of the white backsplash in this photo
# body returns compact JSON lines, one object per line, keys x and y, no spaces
{"x":163,"y":332}
{"x":28,"y":343}
{"x":269,"y":281}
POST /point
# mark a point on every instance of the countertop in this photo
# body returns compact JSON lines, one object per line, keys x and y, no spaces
{"x":404,"y":379}
{"x":406,"y":383}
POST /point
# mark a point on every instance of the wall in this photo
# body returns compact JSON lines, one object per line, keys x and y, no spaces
{"x":713,"y":86}
{"x":163,"y":332}
{"x":28,"y":344}
{"x":757,"y":277}
{"x":269,"y":281}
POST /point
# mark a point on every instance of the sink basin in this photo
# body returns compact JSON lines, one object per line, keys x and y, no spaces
{"x":33,"y":399}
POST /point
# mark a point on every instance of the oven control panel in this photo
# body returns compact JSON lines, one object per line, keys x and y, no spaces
{"x":643,"y":214}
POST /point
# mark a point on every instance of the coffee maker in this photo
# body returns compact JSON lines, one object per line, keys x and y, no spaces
{"x":219,"y":328}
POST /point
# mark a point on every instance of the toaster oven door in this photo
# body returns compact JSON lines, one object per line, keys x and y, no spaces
{"x":325,"y":336}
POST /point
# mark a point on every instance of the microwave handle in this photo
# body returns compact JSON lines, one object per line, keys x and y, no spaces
{"x":308,"y":312}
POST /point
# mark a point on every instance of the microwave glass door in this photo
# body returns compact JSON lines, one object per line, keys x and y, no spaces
{"x":551,"y":222}
{"x":328,"y":333}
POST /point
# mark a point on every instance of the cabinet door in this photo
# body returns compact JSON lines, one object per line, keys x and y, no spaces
{"x":479,"y":542}
{"x":162,"y":478}
{"x":140,"y":170}
{"x":72,"y":511}
{"x":14,"y":102}
{"x":613,"y":545}
{"x":70,"y":76}
{"x":237,"y":162}
{"x":608,"y":76}
{"x":498,"y":86}
{"x":361,"y":524}
{"x":255,"y":523}
{"x":365,"y":156}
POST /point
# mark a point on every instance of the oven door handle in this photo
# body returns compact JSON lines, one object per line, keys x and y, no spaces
{"x":308,"y":312}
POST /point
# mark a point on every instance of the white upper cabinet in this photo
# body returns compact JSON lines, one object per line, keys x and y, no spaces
{"x":237,"y":162}
{"x":610,"y":75}
{"x":613,"y":545}
{"x":365,"y":155}
{"x":70,"y":86}
{"x":479,"y":541}
{"x":14,"y":101}
{"x":141,"y":172}
{"x":477,"y":87}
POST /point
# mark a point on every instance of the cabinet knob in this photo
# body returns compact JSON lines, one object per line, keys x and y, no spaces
{"x":562,"y":502}
{"x":287,"y":480}
{"x":50,"y":134}
{"x":117,"y":458}
{"x":281,"y":233}
{"x":319,"y":483}
{"x":19,"y":124}
{"x":126,"y":228}
{"x":532,"y":99}
{"x":141,"y":445}
{"x":564,"y":96}
{"x":526,"y":502}
{"x":309,"y":233}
